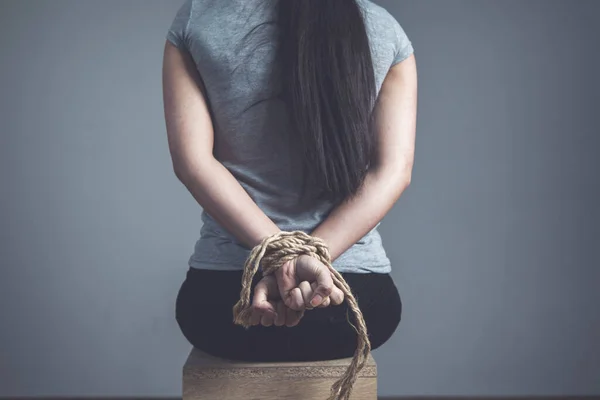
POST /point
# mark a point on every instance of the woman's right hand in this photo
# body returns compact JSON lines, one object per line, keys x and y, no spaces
{"x":305,"y":283}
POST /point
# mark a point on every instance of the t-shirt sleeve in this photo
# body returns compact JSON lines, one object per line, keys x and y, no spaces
{"x":403,"y":45}
{"x":178,"y":31}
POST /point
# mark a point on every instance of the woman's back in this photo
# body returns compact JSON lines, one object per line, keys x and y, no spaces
{"x":234,"y":46}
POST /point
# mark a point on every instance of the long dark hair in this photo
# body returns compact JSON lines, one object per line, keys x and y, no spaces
{"x":328,"y":84}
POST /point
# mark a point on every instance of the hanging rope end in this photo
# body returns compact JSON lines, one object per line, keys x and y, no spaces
{"x":241,"y":315}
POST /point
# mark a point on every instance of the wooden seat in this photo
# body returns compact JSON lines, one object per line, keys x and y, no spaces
{"x":209,"y":378}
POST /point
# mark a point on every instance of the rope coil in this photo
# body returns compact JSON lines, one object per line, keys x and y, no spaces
{"x":272,"y":253}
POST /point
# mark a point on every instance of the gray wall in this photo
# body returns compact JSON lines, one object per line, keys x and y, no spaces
{"x":495,"y":245}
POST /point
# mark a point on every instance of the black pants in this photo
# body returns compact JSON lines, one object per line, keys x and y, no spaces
{"x":204,"y":314}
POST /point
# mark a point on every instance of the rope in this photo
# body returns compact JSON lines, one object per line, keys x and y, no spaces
{"x":272,"y":253}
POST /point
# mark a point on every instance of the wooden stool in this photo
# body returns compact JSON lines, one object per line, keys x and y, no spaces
{"x":209,"y":378}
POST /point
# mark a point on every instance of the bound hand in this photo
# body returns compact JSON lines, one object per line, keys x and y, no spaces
{"x":298,"y":285}
{"x":305,"y":283}
{"x":268,"y":308}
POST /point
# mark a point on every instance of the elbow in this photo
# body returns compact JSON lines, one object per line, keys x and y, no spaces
{"x":179,"y":174}
{"x":179,"y":168}
{"x":407,"y":175}
{"x":406,"y":179}
{"x":398,"y":180}
{"x":397,"y":175}
{"x":403,"y":181}
{"x":404,"y":173}
{"x":187,"y":171}
{"x":187,"y":175}
{"x":182,"y":172}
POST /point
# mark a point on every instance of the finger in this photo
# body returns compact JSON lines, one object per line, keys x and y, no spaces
{"x":262,"y":291}
{"x":336,"y":296}
{"x":286,"y":278}
{"x":325,"y":302}
{"x":307,"y":293}
{"x":311,"y":269}
{"x":255,"y":317}
{"x":324,"y":286}
{"x":259,"y":297}
{"x":280,"y":318}
{"x":268,"y":318}
{"x":260,"y":305}
{"x":292,"y":317}
{"x":294,"y":300}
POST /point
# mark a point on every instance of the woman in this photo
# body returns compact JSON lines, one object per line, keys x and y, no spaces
{"x":282,"y":116}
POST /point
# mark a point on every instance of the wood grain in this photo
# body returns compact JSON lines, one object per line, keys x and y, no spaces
{"x":210,"y":378}
{"x":83,"y":397}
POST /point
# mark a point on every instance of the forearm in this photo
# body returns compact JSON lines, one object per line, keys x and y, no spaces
{"x":391,"y":170}
{"x":354,"y":218}
{"x":191,"y":142}
{"x":226,"y":201}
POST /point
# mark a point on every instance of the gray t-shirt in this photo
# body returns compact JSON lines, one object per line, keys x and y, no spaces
{"x":233,"y":46}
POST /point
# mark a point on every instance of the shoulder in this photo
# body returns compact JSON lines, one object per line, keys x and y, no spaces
{"x":378,"y":13}
{"x":380,"y":22}
{"x":385,"y":30}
